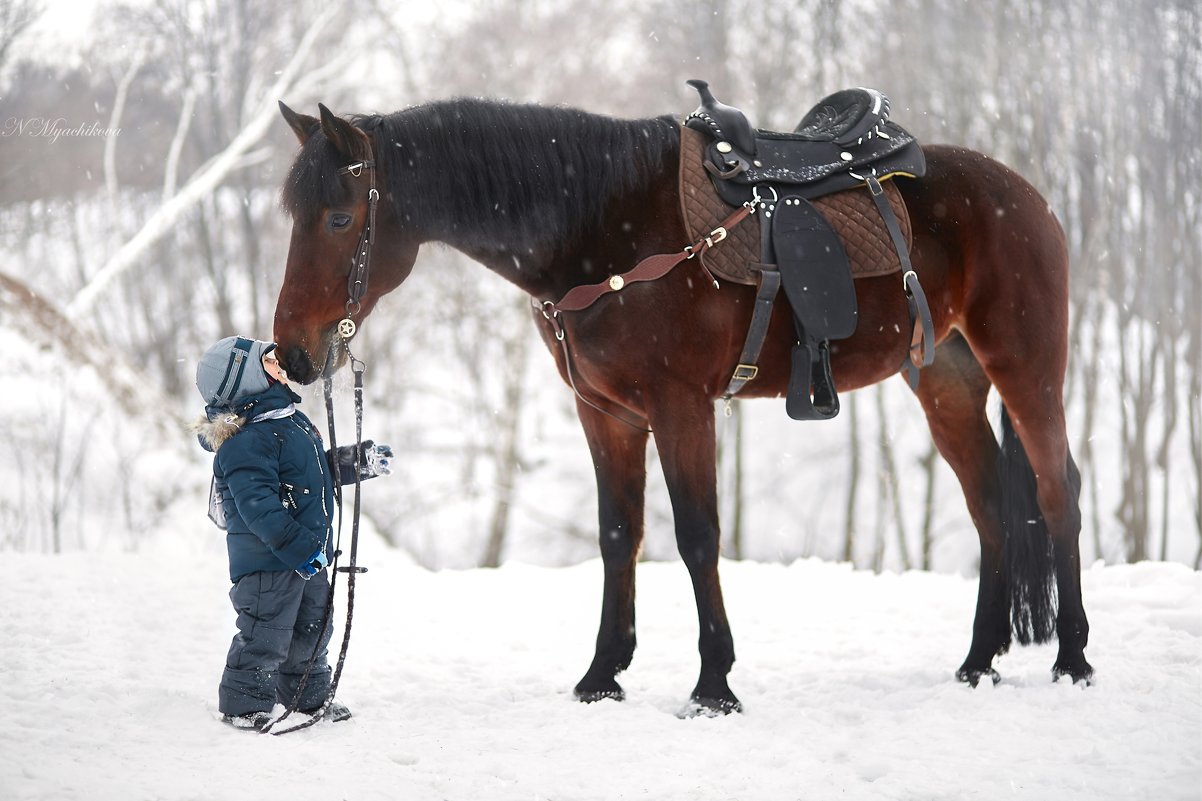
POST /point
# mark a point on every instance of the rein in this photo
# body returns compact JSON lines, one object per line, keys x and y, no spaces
{"x":356,"y":289}
{"x":353,"y":569}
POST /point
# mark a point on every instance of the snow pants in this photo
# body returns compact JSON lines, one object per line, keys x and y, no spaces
{"x":279,"y":623}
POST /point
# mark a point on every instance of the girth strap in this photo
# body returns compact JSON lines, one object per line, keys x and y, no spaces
{"x":758,"y":330}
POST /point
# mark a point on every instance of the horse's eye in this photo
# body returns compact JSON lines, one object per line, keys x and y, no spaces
{"x":338,"y":221}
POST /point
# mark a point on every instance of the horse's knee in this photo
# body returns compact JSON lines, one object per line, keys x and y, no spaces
{"x":699,"y":552}
{"x":617,"y":544}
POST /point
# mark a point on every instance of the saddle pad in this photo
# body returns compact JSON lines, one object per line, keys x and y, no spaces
{"x":851,"y":213}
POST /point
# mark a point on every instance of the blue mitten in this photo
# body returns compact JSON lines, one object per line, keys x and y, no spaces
{"x":313,"y":565}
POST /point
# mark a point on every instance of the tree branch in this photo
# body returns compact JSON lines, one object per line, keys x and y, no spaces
{"x":171,"y":173}
{"x":213,"y":172}
{"x":114,"y":127}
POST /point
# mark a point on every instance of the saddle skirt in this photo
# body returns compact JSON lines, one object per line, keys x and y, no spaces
{"x":851,"y":213}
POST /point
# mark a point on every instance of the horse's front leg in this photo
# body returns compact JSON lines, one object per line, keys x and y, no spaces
{"x":684,"y":437}
{"x":619,"y":458}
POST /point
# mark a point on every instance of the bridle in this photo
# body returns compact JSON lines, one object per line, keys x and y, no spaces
{"x":356,"y":286}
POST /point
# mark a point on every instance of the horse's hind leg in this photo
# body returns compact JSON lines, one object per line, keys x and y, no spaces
{"x":1018,"y":330}
{"x":619,"y":454}
{"x":1044,"y":505}
{"x":953,"y":392}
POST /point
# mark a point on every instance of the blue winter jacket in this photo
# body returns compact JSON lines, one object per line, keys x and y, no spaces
{"x":271,"y":471}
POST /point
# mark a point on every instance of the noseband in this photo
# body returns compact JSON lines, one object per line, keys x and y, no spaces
{"x":356,"y":286}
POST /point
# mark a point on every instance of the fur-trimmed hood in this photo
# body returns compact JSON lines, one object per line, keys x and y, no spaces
{"x":214,"y":431}
{"x":221,"y":422}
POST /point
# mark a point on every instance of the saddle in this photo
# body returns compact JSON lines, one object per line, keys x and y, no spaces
{"x":841,"y":147}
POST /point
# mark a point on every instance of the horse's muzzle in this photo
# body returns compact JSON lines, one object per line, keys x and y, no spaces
{"x":299,"y":366}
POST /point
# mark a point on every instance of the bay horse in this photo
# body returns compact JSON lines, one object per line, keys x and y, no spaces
{"x":553,"y":198}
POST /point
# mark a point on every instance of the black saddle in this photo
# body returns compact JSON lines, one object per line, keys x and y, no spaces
{"x":845,"y":141}
{"x":838,"y":144}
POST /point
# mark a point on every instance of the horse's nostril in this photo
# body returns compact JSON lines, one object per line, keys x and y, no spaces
{"x":298,"y":364}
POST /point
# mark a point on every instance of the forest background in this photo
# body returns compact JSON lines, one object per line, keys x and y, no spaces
{"x":141,"y":157}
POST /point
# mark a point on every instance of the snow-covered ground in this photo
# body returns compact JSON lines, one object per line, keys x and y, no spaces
{"x":461,"y":687}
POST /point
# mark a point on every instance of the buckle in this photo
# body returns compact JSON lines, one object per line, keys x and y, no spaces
{"x":745,"y":372}
{"x":356,"y":169}
{"x":760,"y":201}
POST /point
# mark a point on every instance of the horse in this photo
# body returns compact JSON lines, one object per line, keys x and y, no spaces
{"x":553,"y":198}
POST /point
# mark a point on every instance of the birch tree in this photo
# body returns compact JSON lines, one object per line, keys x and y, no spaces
{"x":298,"y":77}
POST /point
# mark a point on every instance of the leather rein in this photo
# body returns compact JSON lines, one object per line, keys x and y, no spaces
{"x":356,"y":289}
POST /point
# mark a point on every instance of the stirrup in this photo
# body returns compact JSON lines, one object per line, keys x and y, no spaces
{"x":811,"y":371}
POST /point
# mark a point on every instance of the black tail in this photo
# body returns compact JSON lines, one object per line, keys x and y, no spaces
{"x":1028,"y":545}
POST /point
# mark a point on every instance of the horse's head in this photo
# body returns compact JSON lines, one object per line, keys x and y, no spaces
{"x":327,"y":194}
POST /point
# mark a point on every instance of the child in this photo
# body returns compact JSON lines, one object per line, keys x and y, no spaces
{"x":273,"y":493}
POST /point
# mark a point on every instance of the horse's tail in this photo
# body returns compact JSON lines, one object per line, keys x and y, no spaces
{"x":1028,"y":546}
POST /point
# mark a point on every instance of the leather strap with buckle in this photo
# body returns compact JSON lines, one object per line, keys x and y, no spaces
{"x":649,"y":269}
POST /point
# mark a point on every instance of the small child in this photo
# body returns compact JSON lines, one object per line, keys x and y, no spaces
{"x":273,"y":493}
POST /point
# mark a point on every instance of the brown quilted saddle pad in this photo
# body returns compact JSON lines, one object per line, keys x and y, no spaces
{"x":851,"y":213}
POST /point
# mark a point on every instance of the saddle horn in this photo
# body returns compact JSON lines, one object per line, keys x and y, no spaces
{"x":726,"y":121}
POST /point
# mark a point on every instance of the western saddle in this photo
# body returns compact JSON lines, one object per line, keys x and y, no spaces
{"x":846,"y":141}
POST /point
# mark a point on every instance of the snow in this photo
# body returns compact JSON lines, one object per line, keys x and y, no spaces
{"x":461,"y":685}
{"x":461,"y":681}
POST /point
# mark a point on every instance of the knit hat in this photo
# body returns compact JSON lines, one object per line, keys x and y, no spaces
{"x":233,"y":369}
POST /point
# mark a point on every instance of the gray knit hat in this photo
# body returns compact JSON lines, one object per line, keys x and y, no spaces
{"x":233,"y":369}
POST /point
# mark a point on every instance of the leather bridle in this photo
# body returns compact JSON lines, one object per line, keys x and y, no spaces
{"x":356,"y":286}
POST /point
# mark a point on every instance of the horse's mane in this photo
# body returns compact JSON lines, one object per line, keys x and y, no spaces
{"x":480,"y":172}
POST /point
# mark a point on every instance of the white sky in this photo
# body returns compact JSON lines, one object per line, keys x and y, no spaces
{"x":63,"y":23}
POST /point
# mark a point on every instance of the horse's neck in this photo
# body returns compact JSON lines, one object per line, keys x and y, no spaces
{"x":543,"y":249}
{"x":615,"y":245}
{"x":642,"y":222}
{"x":529,"y":271}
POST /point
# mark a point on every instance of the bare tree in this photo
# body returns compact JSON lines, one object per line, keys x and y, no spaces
{"x":926,"y":540}
{"x":15,"y":18}
{"x":295,"y":77}
{"x":853,"y":481}
{"x":506,"y":449}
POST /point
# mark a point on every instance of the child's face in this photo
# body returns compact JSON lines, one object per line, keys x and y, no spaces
{"x":271,"y":366}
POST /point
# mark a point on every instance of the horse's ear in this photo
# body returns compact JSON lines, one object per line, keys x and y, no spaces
{"x":302,"y":125}
{"x":342,"y":135}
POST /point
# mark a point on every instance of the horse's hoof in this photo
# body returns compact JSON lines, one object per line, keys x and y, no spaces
{"x":710,"y":707}
{"x":973,"y":677}
{"x":1080,"y":673}
{"x":610,"y":689}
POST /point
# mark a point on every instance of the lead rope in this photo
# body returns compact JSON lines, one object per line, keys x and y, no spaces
{"x":357,"y":367}
{"x":356,"y":289}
